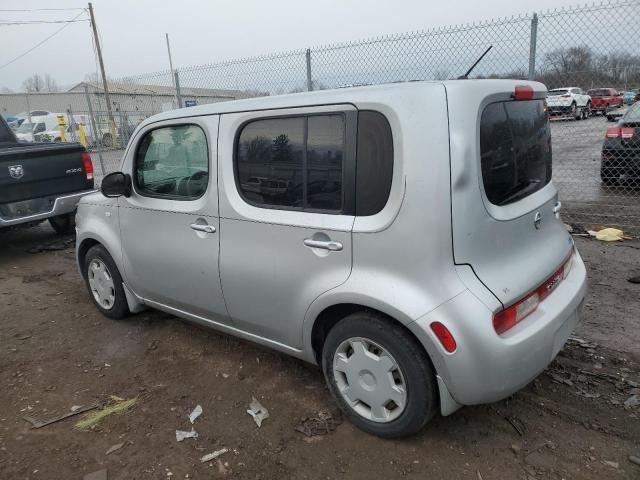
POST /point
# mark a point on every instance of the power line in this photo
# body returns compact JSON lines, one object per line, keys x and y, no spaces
{"x":38,"y":9}
{"x":35,"y":22}
{"x":40,"y":43}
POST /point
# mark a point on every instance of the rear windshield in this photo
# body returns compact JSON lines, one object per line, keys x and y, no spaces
{"x":601,"y":92}
{"x":515,"y":146}
{"x":557,"y":92}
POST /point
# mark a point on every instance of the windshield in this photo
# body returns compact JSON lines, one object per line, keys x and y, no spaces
{"x":632,"y":115}
{"x":26,"y":127}
{"x":601,"y":92}
{"x":557,"y":92}
{"x":515,"y":149}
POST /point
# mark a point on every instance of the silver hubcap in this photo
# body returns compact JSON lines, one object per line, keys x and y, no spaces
{"x":370,"y":380}
{"x":101,"y":284}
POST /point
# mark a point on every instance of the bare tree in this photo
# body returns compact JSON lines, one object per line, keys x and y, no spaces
{"x":40,"y":83}
{"x":33,"y":84}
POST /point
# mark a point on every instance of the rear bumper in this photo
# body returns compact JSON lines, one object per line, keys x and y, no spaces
{"x":487,"y":367}
{"x":26,"y":212}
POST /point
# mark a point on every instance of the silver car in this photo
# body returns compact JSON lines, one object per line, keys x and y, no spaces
{"x":410,"y":245}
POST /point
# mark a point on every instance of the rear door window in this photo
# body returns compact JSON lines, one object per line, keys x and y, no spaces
{"x":515,"y":146}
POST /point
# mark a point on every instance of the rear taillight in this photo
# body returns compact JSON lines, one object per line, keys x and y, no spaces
{"x":620,"y":132}
{"x":566,"y":95}
{"x":512,"y":315}
{"x":445,"y":337}
{"x":87,"y":165}
{"x":523,"y":92}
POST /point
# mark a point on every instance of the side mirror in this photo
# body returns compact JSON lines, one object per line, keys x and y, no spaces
{"x":116,"y":184}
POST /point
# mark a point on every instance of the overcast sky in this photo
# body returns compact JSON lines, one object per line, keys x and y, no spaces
{"x":209,"y":31}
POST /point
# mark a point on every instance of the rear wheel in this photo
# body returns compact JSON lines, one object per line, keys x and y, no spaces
{"x":64,"y":224}
{"x":104,"y":283}
{"x":587,"y":111}
{"x":575,"y":113}
{"x":379,"y":375}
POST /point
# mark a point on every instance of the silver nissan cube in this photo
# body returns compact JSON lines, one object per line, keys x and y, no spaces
{"x":405,"y":237}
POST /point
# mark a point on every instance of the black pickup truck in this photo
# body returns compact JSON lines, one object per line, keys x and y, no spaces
{"x":40,"y":181}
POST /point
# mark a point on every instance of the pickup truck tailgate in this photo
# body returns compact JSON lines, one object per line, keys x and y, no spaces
{"x":35,"y":170}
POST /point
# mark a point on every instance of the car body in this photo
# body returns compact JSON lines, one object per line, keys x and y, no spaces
{"x":630,"y":97}
{"x":569,"y":101}
{"x":604,"y":98}
{"x":41,"y":181}
{"x":620,"y":161}
{"x":401,"y":246}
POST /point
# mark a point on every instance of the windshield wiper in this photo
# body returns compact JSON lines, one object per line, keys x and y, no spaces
{"x":520,"y":190}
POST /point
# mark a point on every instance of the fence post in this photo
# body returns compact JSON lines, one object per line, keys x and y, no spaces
{"x":532,"y":47}
{"x":309,"y":81}
{"x":96,"y":134}
{"x":178,"y":94}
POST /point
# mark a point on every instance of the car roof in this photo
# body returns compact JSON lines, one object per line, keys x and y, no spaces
{"x":323,"y":97}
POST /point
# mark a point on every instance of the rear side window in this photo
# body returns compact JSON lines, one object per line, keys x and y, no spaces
{"x":293,"y":163}
{"x":515,"y":146}
{"x":172,"y":162}
{"x":374,"y":164}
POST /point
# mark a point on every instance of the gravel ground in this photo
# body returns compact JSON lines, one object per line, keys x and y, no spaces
{"x":56,"y":351}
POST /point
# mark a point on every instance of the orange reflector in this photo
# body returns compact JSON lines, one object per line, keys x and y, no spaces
{"x":445,"y":337}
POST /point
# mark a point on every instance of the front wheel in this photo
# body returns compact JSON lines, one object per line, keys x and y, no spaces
{"x":64,"y":224}
{"x":575,"y":113}
{"x":104,"y":283}
{"x":379,"y":375}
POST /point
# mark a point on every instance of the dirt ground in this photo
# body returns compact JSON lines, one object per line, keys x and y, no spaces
{"x":56,"y":351}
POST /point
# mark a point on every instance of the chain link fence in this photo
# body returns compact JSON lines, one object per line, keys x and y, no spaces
{"x":587,"y":48}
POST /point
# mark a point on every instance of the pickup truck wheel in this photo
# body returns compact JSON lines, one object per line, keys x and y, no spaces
{"x":575,"y":112}
{"x":379,"y":375}
{"x":104,"y":283}
{"x":64,"y":224}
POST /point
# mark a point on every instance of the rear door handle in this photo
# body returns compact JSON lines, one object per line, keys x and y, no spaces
{"x":329,"y":245}
{"x":203,"y":228}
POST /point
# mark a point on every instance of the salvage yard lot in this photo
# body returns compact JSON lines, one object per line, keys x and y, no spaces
{"x":56,"y":351}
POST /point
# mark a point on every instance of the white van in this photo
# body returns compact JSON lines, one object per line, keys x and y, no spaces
{"x":27,"y":131}
{"x":404,"y":237}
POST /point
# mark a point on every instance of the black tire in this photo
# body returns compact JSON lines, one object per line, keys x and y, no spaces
{"x":586,"y":113}
{"x":64,"y":224}
{"x":418,"y":372}
{"x":575,"y":111}
{"x":119,"y":309}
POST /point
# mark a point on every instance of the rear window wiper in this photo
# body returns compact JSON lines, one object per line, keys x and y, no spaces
{"x":521,"y":190}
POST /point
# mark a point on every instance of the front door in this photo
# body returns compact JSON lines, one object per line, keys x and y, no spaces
{"x":170,"y":225}
{"x":286,"y":239}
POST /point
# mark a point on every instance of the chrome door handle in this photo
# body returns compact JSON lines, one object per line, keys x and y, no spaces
{"x":203,"y":228}
{"x":330,"y":245}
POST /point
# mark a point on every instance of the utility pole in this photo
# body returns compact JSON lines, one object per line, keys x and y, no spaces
{"x":112,"y":123}
{"x":173,"y":72}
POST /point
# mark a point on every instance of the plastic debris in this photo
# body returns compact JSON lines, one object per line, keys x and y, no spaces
{"x":117,"y":405}
{"x":115,"y":448}
{"x":195,"y":414}
{"x":182,"y":435}
{"x":99,"y":475}
{"x":257,"y":411}
{"x":634,"y":459}
{"x":213,"y":455}
{"x":612,"y":464}
{"x":608,"y":234}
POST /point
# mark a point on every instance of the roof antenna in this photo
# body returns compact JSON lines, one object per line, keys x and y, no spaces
{"x":466,"y":75}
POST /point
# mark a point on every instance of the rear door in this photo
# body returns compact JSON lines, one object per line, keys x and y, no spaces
{"x":289,"y":242}
{"x":503,"y":201}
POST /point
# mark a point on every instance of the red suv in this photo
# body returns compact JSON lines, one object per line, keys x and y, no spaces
{"x":604,"y":98}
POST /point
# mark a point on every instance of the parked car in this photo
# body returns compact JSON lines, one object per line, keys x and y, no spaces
{"x":27,"y":131}
{"x":631,"y":96}
{"x":602,"y":99}
{"x":41,"y":181}
{"x":569,"y":101}
{"x":621,"y":150}
{"x":438,"y":275}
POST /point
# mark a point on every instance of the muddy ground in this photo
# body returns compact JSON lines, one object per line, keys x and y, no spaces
{"x":56,"y":351}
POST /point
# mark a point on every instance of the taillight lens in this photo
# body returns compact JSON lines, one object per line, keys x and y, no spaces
{"x":523,"y":92}
{"x":445,"y":337}
{"x":512,"y":315}
{"x":627,"y":132}
{"x":87,"y":165}
{"x":613,"y":132}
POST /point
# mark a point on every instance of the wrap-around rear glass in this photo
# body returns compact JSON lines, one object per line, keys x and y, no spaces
{"x":515,"y":148}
